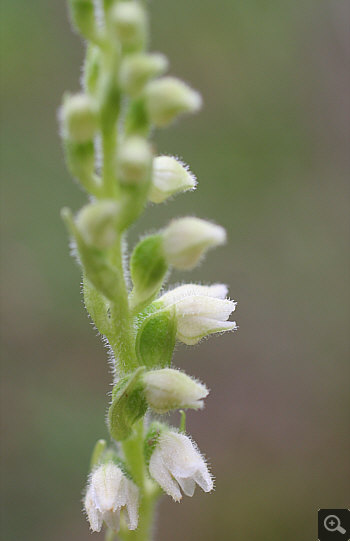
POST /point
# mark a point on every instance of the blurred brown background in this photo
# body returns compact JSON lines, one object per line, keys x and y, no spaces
{"x":270,"y":152}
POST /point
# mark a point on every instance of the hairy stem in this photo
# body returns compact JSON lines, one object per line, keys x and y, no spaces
{"x":133,"y":451}
{"x":121,"y":337}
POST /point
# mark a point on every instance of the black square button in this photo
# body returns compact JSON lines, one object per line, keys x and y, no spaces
{"x":333,"y":524}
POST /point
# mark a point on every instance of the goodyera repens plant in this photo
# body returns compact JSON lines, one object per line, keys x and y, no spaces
{"x":105,"y":130}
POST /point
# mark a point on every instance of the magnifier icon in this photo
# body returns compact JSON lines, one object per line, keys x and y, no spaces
{"x":332,"y":524}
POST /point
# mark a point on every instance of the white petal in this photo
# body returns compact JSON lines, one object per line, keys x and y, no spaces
{"x":160,"y":473}
{"x":131,"y":509}
{"x":204,"y":479}
{"x":93,"y":514}
{"x":179,"y":454}
{"x":218,"y":291}
{"x":201,"y":305}
{"x":105,"y":483}
{"x":191,"y":332}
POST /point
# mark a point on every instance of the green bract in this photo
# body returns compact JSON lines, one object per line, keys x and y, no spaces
{"x":80,"y":159}
{"x":155,"y":340}
{"x":97,"y":453}
{"x":148,"y":268}
{"x":128,"y":405}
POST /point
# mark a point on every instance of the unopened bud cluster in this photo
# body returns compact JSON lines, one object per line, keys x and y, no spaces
{"x":106,"y":137}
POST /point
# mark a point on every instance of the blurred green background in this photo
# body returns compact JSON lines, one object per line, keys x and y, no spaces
{"x":270,"y":152}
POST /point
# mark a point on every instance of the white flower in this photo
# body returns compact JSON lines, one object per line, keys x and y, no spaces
{"x":167,"y":98}
{"x":169,"y":177}
{"x":168,"y":389}
{"x":176,"y":462}
{"x":200,"y":310}
{"x":187,"y":239}
{"x":109,"y":492}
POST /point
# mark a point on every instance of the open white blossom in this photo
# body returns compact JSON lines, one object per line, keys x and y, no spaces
{"x":168,"y":389}
{"x":187,"y":239}
{"x":176,"y":463}
{"x":200,"y":310}
{"x":109,"y":492}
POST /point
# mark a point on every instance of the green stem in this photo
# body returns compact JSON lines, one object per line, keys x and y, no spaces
{"x":109,"y":138}
{"x":110,"y":108}
{"x":133,"y":451}
{"x":121,"y":337}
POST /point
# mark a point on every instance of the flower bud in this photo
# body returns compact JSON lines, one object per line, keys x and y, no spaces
{"x":78,"y":116}
{"x":97,"y":224}
{"x":110,"y":492}
{"x":169,"y":177}
{"x":129,"y":21}
{"x":176,"y":463}
{"x":167,"y":98}
{"x":98,"y":269}
{"x":135,"y":160}
{"x":169,"y":389}
{"x":137,"y":69}
{"x":187,"y":239}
